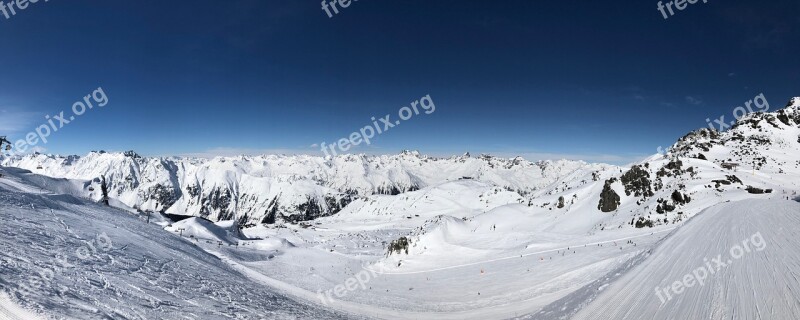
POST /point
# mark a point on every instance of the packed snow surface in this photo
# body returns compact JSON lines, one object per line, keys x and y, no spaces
{"x":743,"y":257}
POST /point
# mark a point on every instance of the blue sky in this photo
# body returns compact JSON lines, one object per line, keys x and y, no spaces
{"x":596,"y":80}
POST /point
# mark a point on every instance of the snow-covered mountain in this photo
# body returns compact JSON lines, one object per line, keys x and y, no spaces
{"x":759,"y":153}
{"x":270,"y":188}
{"x":767,"y":142}
{"x":697,"y":173}
{"x":428,"y":238}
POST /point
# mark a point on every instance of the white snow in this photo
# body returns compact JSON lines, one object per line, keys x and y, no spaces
{"x":68,"y":258}
{"x":201,"y":229}
{"x":488,"y":238}
{"x":10,"y":311}
{"x":761,"y":284}
{"x":245,"y":188}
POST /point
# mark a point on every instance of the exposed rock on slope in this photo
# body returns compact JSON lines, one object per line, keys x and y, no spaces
{"x":761,"y":147}
{"x":609,"y":200}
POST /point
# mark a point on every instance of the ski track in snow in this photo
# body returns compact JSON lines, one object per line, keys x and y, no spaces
{"x":759,"y":285}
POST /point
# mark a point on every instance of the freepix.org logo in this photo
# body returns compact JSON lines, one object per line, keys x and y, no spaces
{"x":379,"y":126}
{"x":679,"y":5}
{"x":711,"y":267}
{"x":11,"y":8}
{"x":57,"y":122}
{"x":330,"y":6}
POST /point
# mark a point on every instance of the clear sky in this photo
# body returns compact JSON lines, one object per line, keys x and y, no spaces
{"x":595,"y":80}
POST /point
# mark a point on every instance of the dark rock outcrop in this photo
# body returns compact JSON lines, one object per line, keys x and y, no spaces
{"x":399,"y":246}
{"x":637,"y":182}
{"x":609,"y":200}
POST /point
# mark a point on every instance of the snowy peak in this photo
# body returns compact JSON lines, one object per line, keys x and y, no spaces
{"x":794,"y":102}
{"x":276,"y":188}
{"x":756,"y":156}
{"x":778,"y":129}
{"x":293,"y":188}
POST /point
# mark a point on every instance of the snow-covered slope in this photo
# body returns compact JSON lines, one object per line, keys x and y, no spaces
{"x":737,"y":260}
{"x":10,"y":311}
{"x":764,"y":142}
{"x":64,"y":257}
{"x":759,"y":157}
{"x":201,"y":229}
{"x":464,"y":198}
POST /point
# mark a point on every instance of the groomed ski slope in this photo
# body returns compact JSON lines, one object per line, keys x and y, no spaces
{"x":64,"y":257}
{"x":760,"y":284}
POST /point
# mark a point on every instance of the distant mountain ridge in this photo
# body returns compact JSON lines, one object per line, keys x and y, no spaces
{"x":758,"y":154}
{"x":274,"y":188}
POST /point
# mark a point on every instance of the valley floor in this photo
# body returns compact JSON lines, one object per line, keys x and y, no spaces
{"x":493,"y":284}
